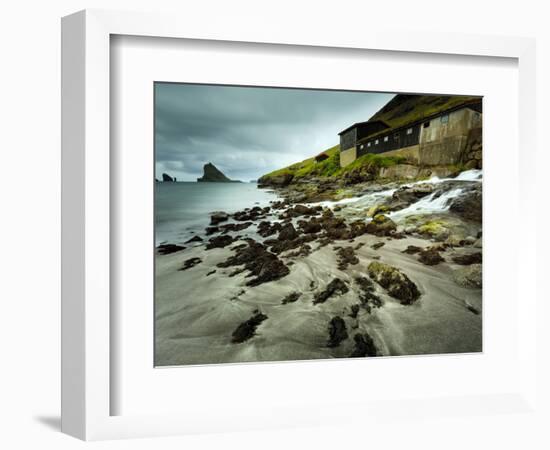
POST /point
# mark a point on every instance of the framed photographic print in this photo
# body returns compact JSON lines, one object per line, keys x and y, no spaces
{"x":254,"y":213}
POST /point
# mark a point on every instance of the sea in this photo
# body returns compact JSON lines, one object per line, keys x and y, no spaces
{"x":182,"y":209}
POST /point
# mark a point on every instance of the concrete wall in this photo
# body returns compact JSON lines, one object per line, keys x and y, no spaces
{"x":348,"y":156}
{"x":412,"y":153}
{"x":445,"y":143}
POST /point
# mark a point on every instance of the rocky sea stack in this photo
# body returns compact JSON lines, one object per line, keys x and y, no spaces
{"x":214,"y":175}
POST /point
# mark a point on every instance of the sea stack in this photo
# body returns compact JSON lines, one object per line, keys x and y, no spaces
{"x":167,"y":178}
{"x":213,"y":174}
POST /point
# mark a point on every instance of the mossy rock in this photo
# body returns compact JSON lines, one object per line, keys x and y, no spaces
{"x":381,"y":225}
{"x":437,"y":229}
{"x":377,"y":209}
{"x":397,"y":284}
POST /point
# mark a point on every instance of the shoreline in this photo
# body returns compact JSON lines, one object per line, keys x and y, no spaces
{"x":223,"y":308}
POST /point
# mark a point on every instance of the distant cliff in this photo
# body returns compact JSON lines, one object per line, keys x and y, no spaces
{"x":213,"y":174}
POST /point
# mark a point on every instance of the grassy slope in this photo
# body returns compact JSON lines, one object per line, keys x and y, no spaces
{"x":330,"y":167}
{"x":403,"y":109}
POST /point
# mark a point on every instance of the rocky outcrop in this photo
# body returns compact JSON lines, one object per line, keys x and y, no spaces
{"x":336,"y":286}
{"x":167,"y":178}
{"x":212,"y":174}
{"x":364,"y":346}
{"x":247,"y":329}
{"x":217,"y":217}
{"x":397,"y":284}
{"x":261,"y":264}
{"x":337,"y":331}
{"x":166,"y":249}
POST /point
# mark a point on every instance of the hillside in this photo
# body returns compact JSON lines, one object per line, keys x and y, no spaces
{"x":403,"y":109}
{"x":329,"y":168}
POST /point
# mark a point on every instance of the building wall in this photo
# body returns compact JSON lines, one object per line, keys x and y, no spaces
{"x":444,"y":142}
{"x":412,"y":153}
{"x":348,"y":139}
{"x":348,"y":156}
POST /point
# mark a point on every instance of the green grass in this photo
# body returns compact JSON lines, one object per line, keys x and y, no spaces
{"x":330,"y":167}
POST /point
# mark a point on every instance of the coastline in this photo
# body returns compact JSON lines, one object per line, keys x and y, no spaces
{"x":200,"y":314}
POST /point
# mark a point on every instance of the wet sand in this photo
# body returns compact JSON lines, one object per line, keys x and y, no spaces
{"x":196,"y":314}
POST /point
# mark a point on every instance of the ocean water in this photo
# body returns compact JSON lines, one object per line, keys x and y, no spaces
{"x":182,"y":209}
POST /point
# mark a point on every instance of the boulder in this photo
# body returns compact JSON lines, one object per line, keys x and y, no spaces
{"x":468,"y":259}
{"x":469,"y":276}
{"x":468,"y":205}
{"x":192,"y":262}
{"x":217,"y":217}
{"x":430,"y":257}
{"x":394,"y":281}
{"x":381,"y":225}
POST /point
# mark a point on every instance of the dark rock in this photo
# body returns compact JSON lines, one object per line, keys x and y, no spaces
{"x":292,"y":297}
{"x":219,"y":242}
{"x":212,"y":230}
{"x":367,"y":295}
{"x":266,"y":228}
{"x":467,"y":259}
{"x":247,"y":329}
{"x":212,"y":174}
{"x":394,"y":281}
{"x":211,"y":273}
{"x":381,"y":225}
{"x":336,"y":286}
{"x":377,"y":245}
{"x":235,"y":226}
{"x":304,"y":250}
{"x":265,"y":266}
{"x":288,"y":232}
{"x":217,"y":217}
{"x":337,"y":331}
{"x":192,"y":262}
{"x":346,"y":257}
{"x":310,"y":226}
{"x":469,"y":205}
{"x":167,"y":178}
{"x":364,"y":346}
{"x":472,"y":309}
{"x":194,"y":239}
{"x":412,"y":249}
{"x":354,"y":311}
{"x":166,"y":249}
{"x":469,"y":276}
{"x":430,"y":257}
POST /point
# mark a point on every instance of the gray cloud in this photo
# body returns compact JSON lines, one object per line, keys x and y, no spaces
{"x":247,"y":132}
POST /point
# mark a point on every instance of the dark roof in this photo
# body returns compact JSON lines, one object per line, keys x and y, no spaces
{"x":367,"y":122}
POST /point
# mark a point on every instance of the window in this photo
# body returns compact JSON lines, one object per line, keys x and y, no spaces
{"x":445,"y":118}
{"x":361,"y":147}
{"x":376,"y":142}
{"x":386,"y":138}
{"x":368,"y":144}
{"x":409,"y":131}
{"x":426,"y":124}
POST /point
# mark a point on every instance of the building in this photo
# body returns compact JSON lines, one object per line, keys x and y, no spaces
{"x":428,"y":130}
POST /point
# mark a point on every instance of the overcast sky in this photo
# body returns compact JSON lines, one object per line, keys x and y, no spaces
{"x":247,"y":132}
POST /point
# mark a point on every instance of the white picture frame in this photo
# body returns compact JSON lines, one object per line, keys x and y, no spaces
{"x":86,"y":220}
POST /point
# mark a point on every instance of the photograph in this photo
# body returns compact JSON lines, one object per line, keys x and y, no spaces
{"x":296,"y":224}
